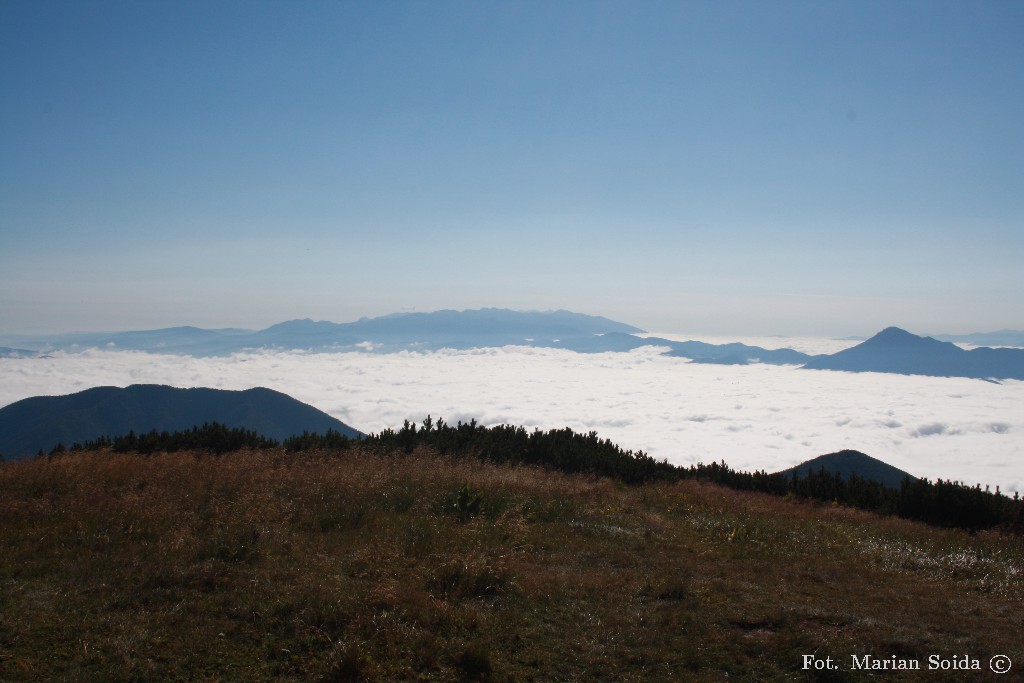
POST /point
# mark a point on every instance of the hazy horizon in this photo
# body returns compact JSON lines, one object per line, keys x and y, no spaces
{"x":760,"y":168}
{"x":758,"y":338}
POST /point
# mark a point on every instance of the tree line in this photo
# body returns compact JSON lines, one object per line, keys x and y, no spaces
{"x":212,"y":437}
{"x":940,"y":503}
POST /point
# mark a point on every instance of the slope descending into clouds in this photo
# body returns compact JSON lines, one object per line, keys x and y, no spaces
{"x":808,"y":345}
{"x":753,"y":417}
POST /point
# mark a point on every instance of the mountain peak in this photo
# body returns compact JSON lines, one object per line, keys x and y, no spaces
{"x":893,"y":331}
{"x":897,"y":335}
{"x":895,"y":350}
{"x":849,"y":462}
{"x":895,"y":339}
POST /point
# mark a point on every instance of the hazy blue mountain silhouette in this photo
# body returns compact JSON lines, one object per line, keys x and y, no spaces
{"x":422,"y":331}
{"x":445,"y":329}
{"x":898,"y":351}
{"x":849,"y":462}
{"x":892,"y":350}
{"x":182,"y":340}
{"x":699,"y":352}
{"x":43,"y":421}
{"x":303,"y":334}
{"x":8,"y":352}
{"x":492,"y":321}
{"x":736,"y":354}
{"x":998,"y":338}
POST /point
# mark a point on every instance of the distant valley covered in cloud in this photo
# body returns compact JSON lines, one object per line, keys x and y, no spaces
{"x":755,"y":416}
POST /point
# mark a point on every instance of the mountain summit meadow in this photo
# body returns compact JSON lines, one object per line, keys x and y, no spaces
{"x":367,"y":564}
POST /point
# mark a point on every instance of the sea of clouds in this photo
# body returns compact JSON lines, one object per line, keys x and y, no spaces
{"x":752,"y":417}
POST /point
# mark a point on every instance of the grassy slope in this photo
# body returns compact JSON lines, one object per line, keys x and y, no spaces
{"x":258,"y":565}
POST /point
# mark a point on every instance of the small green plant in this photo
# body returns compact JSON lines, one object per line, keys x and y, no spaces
{"x":468,"y":502}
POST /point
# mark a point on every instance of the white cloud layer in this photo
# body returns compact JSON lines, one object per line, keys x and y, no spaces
{"x":753,"y":417}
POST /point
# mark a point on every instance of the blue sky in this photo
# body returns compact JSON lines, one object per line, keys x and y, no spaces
{"x":722,"y":167}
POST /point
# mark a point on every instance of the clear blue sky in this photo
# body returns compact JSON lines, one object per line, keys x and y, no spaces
{"x":725,"y":167}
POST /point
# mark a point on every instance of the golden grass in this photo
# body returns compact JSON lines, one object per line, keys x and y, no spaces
{"x":357,"y":566}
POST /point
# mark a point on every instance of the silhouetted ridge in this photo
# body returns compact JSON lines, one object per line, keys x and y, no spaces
{"x":849,"y":463}
{"x":997,"y":338}
{"x":895,"y":350}
{"x":895,"y":334}
{"x":481,"y":328}
{"x":42,"y":422}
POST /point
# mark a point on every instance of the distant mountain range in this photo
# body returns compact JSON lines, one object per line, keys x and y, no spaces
{"x":999,"y":338}
{"x":486,"y":327}
{"x":849,"y":462}
{"x":402,"y":331}
{"x":42,"y":422}
{"x":7,"y":352}
{"x":893,"y":350}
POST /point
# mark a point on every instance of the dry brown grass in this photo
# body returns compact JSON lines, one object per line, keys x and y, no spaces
{"x":266,"y":566}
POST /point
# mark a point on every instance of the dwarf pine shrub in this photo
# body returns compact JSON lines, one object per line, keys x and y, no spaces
{"x":468,"y":502}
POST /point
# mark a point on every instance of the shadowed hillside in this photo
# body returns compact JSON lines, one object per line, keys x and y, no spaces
{"x":846,"y":463}
{"x":42,"y":422}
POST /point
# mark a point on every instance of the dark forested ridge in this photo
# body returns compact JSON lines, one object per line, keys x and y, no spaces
{"x":40,"y":422}
{"x":851,"y":483}
{"x":942,"y":503}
